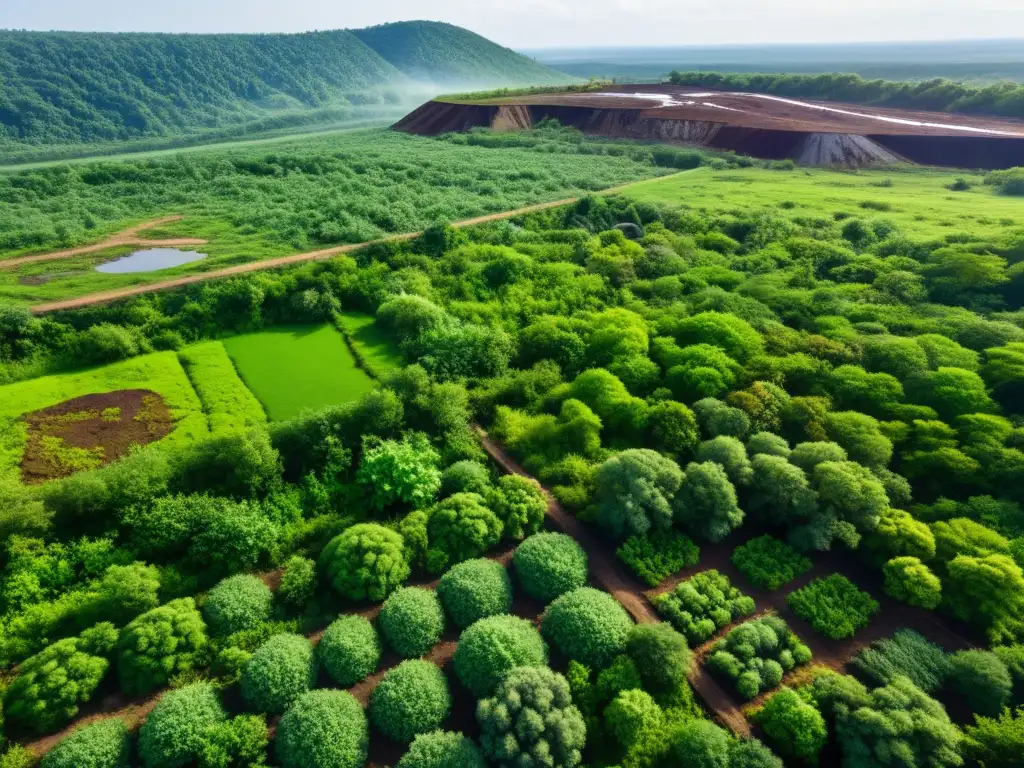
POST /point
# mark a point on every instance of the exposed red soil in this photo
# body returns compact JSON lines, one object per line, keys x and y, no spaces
{"x":106,"y":426}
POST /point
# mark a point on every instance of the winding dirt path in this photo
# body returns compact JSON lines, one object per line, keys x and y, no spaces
{"x":128,"y":236}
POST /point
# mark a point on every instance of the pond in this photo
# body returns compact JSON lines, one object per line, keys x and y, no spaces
{"x":150,"y":260}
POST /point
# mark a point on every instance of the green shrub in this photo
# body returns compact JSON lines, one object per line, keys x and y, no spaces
{"x":466,"y":477}
{"x":167,"y":641}
{"x":240,"y":742}
{"x":755,"y":655}
{"x":520,"y":505}
{"x":700,"y":743}
{"x":402,"y":471}
{"x":493,"y":646}
{"x":18,"y":757}
{"x":587,"y":625}
{"x":104,"y":744}
{"x":442,"y":749}
{"x":460,"y":528}
{"x":655,"y":558}
{"x":550,"y":564}
{"x":278,"y":673}
{"x":411,"y":699}
{"x":834,"y":606}
{"x":793,"y":726}
{"x":349,"y":650}
{"x":411,"y":621}
{"x":660,"y":655}
{"x":982,"y":679}
{"x":236,"y":604}
{"x":474,"y":590}
{"x":619,"y":509}
{"x":298,"y":584}
{"x":532,"y":714}
{"x":632,"y":716}
{"x":323,"y":729}
{"x":910,"y":581}
{"x":995,"y":743}
{"x":173,"y":734}
{"x":769,"y":563}
{"x":240,"y":537}
{"x":366,"y":562}
{"x":905,"y":654}
{"x":703,"y":604}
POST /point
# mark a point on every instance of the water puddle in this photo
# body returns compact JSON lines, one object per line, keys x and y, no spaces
{"x":150,"y":260}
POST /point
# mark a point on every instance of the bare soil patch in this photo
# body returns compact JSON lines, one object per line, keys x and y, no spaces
{"x":91,"y":431}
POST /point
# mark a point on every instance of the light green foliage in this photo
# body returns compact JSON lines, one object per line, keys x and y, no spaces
{"x":963,"y":536}
{"x":411,"y":699}
{"x":521,"y":505}
{"x":900,"y":534}
{"x":706,"y":503}
{"x":809,"y":455}
{"x":633,"y":493}
{"x":442,"y":749}
{"x":982,"y":679}
{"x":174,"y":733}
{"x":732,"y":334}
{"x":227,"y":402}
{"x":909,"y":580}
{"x":654,"y":558}
{"x":834,"y":606}
{"x":793,"y":726}
{"x":237,"y":743}
{"x":673,"y":427}
{"x":349,"y":650}
{"x":703,"y":604}
{"x":164,"y":642}
{"x":100,"y":745}
{"x":466,"y":477}
{"x":861,"y":438}
{"x":409,"y":315}
{"x":987,"y":591}
{"x":236,"y":604}
{"x":411,"y":621}
{"x":493,"y":646}
{"x":850,"y":493}
{"x":474,"y":590}
{"x":769,"y":563}
{"x":943,"y":352}
{"x":400,"y":471}
{"x":242,"y":464}
{"x":995,"y":743}
{"x":661,"y":656}
{"x":460,"y":528}
{"x":298,"y":584}
{"x":587,"y":625}
{"x":700,"y":743}
{"x":615,"y":334}
{"x":755,"y":655}
{"x":367,"y":561}
{"x":323,"y":728}
{"x":280,"y":671}
{"x":531,"y":717}
{"x":769,"y":444}
{"x":632,"y":716}
{"x":717,"y":419}
{"x":905,"y":654}
{"x":550,"y":564}
{"x":951,"y":392}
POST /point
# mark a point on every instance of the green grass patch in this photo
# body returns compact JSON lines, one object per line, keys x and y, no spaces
{"x":160,"y":372}
{"x":297,"y":367}
{"x":226,"y":400}
{"x":375,"y":348}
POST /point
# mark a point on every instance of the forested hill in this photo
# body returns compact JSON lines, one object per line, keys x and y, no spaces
{"x":446,"y":54}
{"x":71,"y":88}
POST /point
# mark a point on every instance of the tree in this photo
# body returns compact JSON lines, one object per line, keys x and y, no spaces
{"x":442,"y":749}
{"x":521,"y":506}
{"x":855,"y":389}
{"x":943,"y":352}
{"x":104,"y":744}
{"x":614,"y":334}
{"x":323,"y":728}
{"x":860,"y":436}
{"x":400,"y":472}
{"x":123,"y":593}
{"x":793,"y":726}
{"x":987,"y":591}
{"x":492,"y":647}
{"x":411,"y":621}
{"x":661,"y":656}
{"x":673,"y":427}
{"x":460,"y":528}
{"x":349,"y":650}
{"x":238,"y":538}
{"x":240,"y":742}
{"x":951,"y":392}
{"x":763,"y":402}
{"x":730,"y":454}
{"x":550,"y":564}
{"x":237,"y":603}
{"x":633,"y":493}
{"x":700,"y":744}
{"x":909,"y":580}
{"x":159,"y":644}
{"x":737,"y":337}
{"x":896,"y":355}
{"x":900,"y":534}
{"x":466,"y":477}
{"x":174,"y":732}
{"x":982,"y":679}
{"x":995,"y":743}
{"x":587,"y":625}
{"x":238,"y":464}
{"x":281,"y":670}
{"x":769,"y":444}
{"x":851,"y":493}
{"x":717,"y":419}
{"x":408,"y":315}
{"x":474,"y":590}
{"x":809,"y":455}
{"x":550,"y":338}
{"x":955,"y":275}
{"x":367,"y":561}
{"x":780,"y":492}
{"x":633,"y":717}
{"x":410,"y":699}
{"x":706,"y":503}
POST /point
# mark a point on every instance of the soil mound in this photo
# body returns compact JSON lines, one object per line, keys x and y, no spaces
{"x":91,"y":431}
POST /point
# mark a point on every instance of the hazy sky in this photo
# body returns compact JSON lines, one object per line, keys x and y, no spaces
{"x":540,"y":23}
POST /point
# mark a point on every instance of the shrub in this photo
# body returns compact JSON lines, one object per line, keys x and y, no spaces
{"x":656,"y":558}
{"x":172,"y":735}
{"x":493,"y":646}
{"x":237,"y":743}
{"x":632,"y":716}
{"x":706,"y":504}
{"x":909,"y":580}
{"x":466,"y":477}
{"x":400,"y":471}
{"x":236,"y":604}
{"x":769,"y":563}
{"x":982,"y":679}
{"x":905,"y":654}
{"x":474,"y":590}
{"x":104,"y":744}
{"x":633,"y":492}
{"x":349,"y":650}
{"x":660,"y":655}
{"x":532,"y":714}
{"x":167,"y":641}
{"x":460,"y":528}
{"x":323,"y":729}
{"x":703,"y":604}
{"x":521,"y":505}
{"x":700,"y":743}
{"x":809,"y":455}
{"x":755,"y":655}
{"x":442,"y":749}
{"x":550,"y":564}
{"x":411,"y":699}
{"x":995,"y":743}
{"x":365,"y":562}
{"x":834,"y":606}
{"x":279,"y":672}
{"x":768,"y":443}
{"x":587,"y":625}
{"x":237,"y":464}
{"x":238,"y":538}
{"x":411,"y":621}
{"x":793,"y":726}
{"x":298,"y":584}
{"x":751,"y":753}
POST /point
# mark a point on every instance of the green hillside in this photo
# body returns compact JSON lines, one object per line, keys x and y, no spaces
{"x":449,"y":55}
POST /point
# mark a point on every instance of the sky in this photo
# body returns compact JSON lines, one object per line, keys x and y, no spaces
{"x":532,"y":24}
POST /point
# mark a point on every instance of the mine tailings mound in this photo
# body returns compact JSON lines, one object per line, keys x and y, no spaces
{"x":830,"y":148}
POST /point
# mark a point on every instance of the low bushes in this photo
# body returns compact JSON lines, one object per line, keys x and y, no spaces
{"x":755,"y":655}
{"x":279,"y":672}
{"x":173,"y":734}
{"x":794,"y":727}
{"x":834,"y":606}
{"x":769,"y":563}
{"x":240,"y":741}
{"x":323,"y":729}
{"x":156,"y":646}
{"x":460,"y":528}
{"x":493,"y":646}
{"x":521,"y":505}
{"x":366,"y":562}
{"x":982,"y":679}
{"x":412,"y":621}
{"x":104,"y":744}
{"x":411,"y":699}
{"x":298,"y":584}
{"x":349,"y":650}
{"x":236,"y":604}
{"x":656,"y":558}
{"x":703,"y":604}
{"x":442,"y":749}
{"x":905,"y":654}
{"x":588,"y":626}
{"x":550,"y":564}
{"x":474,"y":590}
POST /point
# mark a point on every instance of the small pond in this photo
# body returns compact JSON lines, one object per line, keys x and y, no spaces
{"x":150,"y":260}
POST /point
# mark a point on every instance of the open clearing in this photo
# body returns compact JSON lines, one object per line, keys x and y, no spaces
{"x":377,"y":350}
{"x":297,"y":367}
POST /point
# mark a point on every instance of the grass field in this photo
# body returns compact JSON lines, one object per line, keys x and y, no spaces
{"x":160,"y":372}
{"x":227,"y":402}
{"x":917,"y":201}
{"x":379,"y":354}
{"x":292,"y":368}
